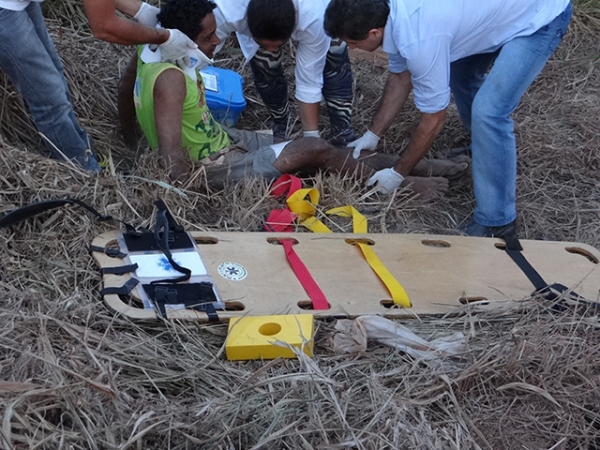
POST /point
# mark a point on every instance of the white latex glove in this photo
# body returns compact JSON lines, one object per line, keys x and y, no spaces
{"x":177,"y":48}
{"x":387,"y":180}
{"x":146,"y":15}
{"x":314,"y":133}
{"x":368,"y":141}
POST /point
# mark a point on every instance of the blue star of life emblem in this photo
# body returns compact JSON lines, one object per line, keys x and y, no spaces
{"x":232,"y":271}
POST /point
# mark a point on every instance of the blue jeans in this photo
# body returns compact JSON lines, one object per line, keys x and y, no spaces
{"x":485,"y":101}
{"x":29,"y":59}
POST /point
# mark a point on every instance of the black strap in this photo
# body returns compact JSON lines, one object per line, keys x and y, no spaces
{"x":161,"y":234}
{"x":28,"y":211}
{"x":119,"y":270}
{"x":198,"y":296}
{"x":548,"y":291}
{"x":513,"y":248}
{"x":111,"y":252}
{"x":123,"y":290}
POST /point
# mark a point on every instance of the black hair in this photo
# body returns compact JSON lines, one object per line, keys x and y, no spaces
{"x":273,"y":20}
{"x":185,"y":15}
{"x":353,"y":19}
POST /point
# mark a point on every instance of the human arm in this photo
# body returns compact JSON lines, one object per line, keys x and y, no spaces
{"x":129,"y":7}
{"x":388,"y":180}
{"x":107,"y":26}
{"x":309,"y":116}
{"x":125,"y":105}
{"x":427,"y":130}
{"x":395,"y":94}
{"x":169,"y":94}
{"x":396,"y":91}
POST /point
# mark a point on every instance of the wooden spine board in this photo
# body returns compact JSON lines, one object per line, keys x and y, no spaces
{"x":115,"y":303}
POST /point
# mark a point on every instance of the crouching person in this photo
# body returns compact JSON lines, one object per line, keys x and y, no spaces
{"x":171,"y":108}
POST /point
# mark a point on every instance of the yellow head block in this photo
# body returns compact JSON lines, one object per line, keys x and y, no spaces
{"x":268,"y":337}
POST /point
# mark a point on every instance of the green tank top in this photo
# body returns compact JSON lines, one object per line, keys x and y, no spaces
{"x":201,"y":135}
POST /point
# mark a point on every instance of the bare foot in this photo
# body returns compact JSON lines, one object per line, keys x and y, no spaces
{"x":448,"y":168}
{"x":426,"y":187}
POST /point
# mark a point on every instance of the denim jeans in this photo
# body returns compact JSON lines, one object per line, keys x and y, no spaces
{"x":29,"y":59}
{"x":485,"y":101}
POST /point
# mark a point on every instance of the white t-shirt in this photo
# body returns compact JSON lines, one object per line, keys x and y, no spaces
{"x":313,"y":42}
{"x":16,"y":5}
{"x":425,"y":36}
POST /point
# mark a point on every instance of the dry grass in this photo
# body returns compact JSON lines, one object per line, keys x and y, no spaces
{"x":75,"y":376}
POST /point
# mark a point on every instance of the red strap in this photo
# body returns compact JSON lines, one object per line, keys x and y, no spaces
{"x":306,"y":280}
{"x":285,"y":185}
{"x":280,"y":221}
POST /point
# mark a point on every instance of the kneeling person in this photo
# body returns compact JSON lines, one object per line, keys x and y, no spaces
{"x":172,"y":111}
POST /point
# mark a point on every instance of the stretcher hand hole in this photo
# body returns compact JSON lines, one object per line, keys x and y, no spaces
{"x":277,"y":240}
{"x":582,"y":252}
{"x":355,"y":241}
{"x":436,"y":243}
{"x":206,"y":240}
{"x":308,"y":305}
{"x":474,"y":299}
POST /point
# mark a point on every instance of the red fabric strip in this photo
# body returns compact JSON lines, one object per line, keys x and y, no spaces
{"x":306,"y":280}
{"x":285,"y":185}
{"x":280,"y":221}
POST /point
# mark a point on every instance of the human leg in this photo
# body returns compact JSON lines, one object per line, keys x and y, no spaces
{"x":337,"y":92}
{"x":466,"y":77}
{"x":307,"y":156}
{"x":310,"y":155}
{"x":39,"y":25}
{"x":270,"y":82}
{"x":30,"y":64}
{"x":493,"y":140}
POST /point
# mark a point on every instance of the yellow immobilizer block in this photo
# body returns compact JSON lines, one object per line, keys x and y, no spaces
{"x":256,"y":337}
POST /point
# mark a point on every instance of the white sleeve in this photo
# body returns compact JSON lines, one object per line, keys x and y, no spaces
{"x":313,"y":45}
{"x":430,"y":74}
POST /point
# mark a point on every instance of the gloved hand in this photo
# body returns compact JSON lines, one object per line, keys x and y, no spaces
{"x":314,"y":133}
{"x":387,"y":180}
{"x":368,"y":141}
{"x":146,"y":15}
{"x":176,"y":49}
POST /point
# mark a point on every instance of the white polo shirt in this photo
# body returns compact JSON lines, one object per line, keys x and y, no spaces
{"x":425,"y":36}
{"x":313,"y":42}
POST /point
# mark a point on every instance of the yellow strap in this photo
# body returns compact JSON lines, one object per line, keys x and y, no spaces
{"x":306,"y":210}
{"x":359,"y":222}
{"x":359,"y":225}
{"x":315,"y":225}
{"x":399,"y":295}
{"x":300,"y":206}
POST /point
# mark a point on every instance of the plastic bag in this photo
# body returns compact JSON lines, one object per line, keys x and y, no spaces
{"x":352,"y":337}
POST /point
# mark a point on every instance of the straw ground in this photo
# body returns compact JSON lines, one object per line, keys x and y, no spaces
{"x":75,"y":376}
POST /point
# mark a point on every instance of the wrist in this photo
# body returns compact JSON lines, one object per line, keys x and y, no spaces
{"x":163,"y":36}
{"x":397,"y":176}
{"x":312,"y":133}
{"x":372,"y":135}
